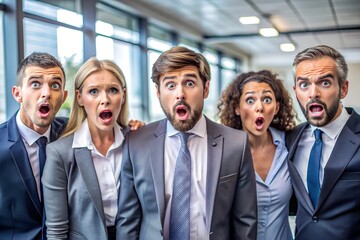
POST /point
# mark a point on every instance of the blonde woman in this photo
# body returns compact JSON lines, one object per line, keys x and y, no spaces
{"x":81,"y":174}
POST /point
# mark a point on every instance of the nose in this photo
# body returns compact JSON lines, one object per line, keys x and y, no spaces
{"x":180,"y":93}
{"x":45,"y":91}
{"x":104,"y":98}
{"x":259,"y":106}
{"x":313,"y":91}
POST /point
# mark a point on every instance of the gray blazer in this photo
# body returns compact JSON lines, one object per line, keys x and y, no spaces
{"x":337,"y":215}
{"x":230,"y":193}
{"x":73,"y":202}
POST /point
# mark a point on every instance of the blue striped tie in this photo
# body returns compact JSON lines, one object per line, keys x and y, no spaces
{"x":314,"y":167}
{"x":180,"y":203}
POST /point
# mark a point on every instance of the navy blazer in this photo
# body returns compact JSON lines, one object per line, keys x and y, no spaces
{"x":20,"y":208}
{"x":337,"y":215}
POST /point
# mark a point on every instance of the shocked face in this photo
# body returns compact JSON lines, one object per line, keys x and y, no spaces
{"x":102,"y":97}
{"x":257,"y":107}
{"x":40,"y":96}
{"x":181,"y":94}
{"x":317,"y":90}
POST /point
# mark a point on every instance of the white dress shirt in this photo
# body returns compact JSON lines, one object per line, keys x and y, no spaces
{"x":107,"y":168}
{"x":330,"y":135}
{"x":197,"y":144}
{"x":29,"y":138}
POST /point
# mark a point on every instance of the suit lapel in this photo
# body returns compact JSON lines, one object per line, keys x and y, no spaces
{"x":339,"y":159}
{"x":87,"y":170}
{"x":157,"y":167}
{"x":21,"y":159}
{"x":296,"y":179}
{"x":215,"y":149}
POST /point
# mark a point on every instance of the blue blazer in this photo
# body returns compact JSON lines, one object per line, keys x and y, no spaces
{"x":21,"y":211}
{"x":337,"y":215}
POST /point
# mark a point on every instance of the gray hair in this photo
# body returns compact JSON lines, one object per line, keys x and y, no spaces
{"x":322,"y":51}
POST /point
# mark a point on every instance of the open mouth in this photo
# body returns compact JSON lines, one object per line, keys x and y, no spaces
{"x":105,"y":115}
{"x":316,"y":110}
{"x":44,"y":109}
{"x":259,"y":121}
{"x":182,"y":112}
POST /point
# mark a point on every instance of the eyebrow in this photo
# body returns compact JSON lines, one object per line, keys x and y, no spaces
{"x":188,"y":75}
{"x":263,"y":92}
{"x":42,"y":77}
{"x":191,"y":75}
{"x":328,"y":75}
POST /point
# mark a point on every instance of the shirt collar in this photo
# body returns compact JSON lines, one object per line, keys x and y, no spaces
{"x":277,"y":136}
{"x":199,"y":129}
{"x":28,"y":134}
{"x":84,"y":133}
{"x":333,"y":129}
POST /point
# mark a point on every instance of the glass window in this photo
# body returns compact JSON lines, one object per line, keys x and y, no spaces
{"x":159,"y":39}
{"x":67,"y":12}
{"x":63,"y":43}
{"x":228,"y":63}
{"x":227,"y":76}
{"x":2,"y":73}
{"x":126,"y":56}
{"x":156,"y":112}
{"x":210,"y":107}
{"x":114,"y":23}
{"x":189,"y":44}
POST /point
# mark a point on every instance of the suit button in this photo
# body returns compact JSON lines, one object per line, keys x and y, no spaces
{"x":315,"y":219}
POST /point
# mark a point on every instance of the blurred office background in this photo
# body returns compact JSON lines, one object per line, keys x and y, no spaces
{"x":133,"y":33}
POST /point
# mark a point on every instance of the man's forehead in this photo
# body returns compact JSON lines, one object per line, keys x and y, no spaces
{"x":41,"y":71}
{"x":185,"y":71}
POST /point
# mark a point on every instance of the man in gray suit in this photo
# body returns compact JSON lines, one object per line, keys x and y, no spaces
{"x":222,"y":202}
{"x":329,"y":194}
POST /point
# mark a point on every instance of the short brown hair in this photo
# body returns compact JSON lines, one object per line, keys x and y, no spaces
{"x":38,"y":59}
{"x":179,"y":57}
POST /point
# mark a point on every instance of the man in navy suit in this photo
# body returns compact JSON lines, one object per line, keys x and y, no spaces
{"x":332,"y":209}
{"x":40,"y":90}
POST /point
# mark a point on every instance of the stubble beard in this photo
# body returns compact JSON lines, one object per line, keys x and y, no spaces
{"x":183,"y":125}
{"x":330,"y":112}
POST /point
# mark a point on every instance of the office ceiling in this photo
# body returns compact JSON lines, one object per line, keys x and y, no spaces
{"x":302,"y":22}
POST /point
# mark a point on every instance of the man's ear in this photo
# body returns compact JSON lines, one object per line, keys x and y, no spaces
{"x":16,"y":92}
{"x":157,"y":91}
{"x":206,"y":89}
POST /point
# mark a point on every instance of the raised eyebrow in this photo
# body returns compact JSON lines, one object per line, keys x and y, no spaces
{"x":329,"y":75}
{"x":250,"y":92}
{"x":302,"y":79}
{"x":168,"y":77}
{"x":192,"y":75}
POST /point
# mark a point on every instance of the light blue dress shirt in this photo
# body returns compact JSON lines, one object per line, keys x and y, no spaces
{"x":273,"y":195}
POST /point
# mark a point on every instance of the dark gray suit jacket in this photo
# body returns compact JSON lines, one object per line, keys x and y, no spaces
{"x":337,"y":215}
{"x":230,"y":193}
{"x":73,"y":201}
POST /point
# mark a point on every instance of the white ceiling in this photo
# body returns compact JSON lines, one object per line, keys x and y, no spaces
{"x":303,"y":22}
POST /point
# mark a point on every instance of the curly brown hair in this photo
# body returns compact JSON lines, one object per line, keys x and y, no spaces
{"x":284,"y":120}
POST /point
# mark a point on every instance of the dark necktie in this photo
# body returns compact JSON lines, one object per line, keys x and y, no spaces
{"x":314,"y":167}
{"x":41,"y":142}
{"x":180,"y":203}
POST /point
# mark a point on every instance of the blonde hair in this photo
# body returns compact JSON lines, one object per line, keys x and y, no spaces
{"x":78,"y":114}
